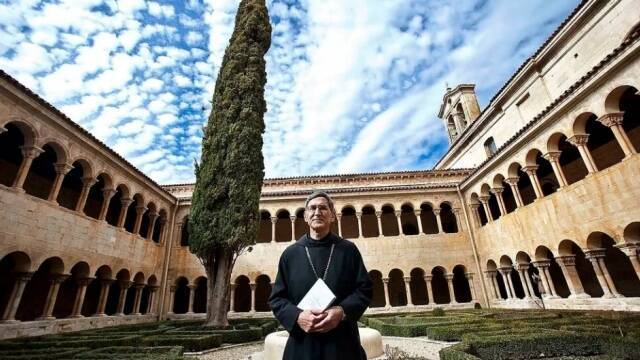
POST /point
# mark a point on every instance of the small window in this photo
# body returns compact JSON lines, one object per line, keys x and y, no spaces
{"x":490,"y":147}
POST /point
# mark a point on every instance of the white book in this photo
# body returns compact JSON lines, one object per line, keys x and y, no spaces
{"x":319,"y":297}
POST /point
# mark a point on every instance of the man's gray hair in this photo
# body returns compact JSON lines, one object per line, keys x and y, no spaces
{"x":317,"y":194}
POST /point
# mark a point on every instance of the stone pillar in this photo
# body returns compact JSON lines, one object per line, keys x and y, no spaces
{"x":614,"y":122}
{"x":506,"y":276}
{"x":427,"y":279}
{"x":253,"y":296}
{"x":458,"y":119}
{"x":472,"y":288}
{"x":140,"y":210}
{"x":136,"y":302}
{"x":631,"y":250}
{"x":151,"y":303}
{"x":82,"y":283}
{"x":459,"y":219}
{"x":87,"y":183}
{"x":379,"y":217}
{"x":452,"y":294}
{"x":153,"y":215}
{"x":592,"y":256}
{"x":232,"y":298}
{"x":273,"y":228}
{"x":580,"y":141}
{"x":339,"y":220}
{"x":491,"y":275}
{"x":542,"y":266}
{"x":293,"y":227}
{"x":568,"y":265}
{"x":28,"y":154}
{"x":172,"y":298}
{"x":484,"y":199}
{"x":523,"y":273}
{"x":496,"y":286}
{"x":417,"y":213}
{"x":192,"y":296}
{"x":407,"y":288}
{"x":107,"y":194}
{"x":52,"y":296}
{"x":438,"y":220}
{"x":124,"y":286}
{"x":498,"y":193}
{"x":163,"y":230}
{"x":554,"y":158}
{"x":533,"y":178}
{"x":61,"y":171}
{"x":607,"y":277}
{"x":104,"y":294}
{"x":9,"y":314}
{"x":385,"y":283}
{"x":123,"y":211}
{"x":399,"y":218}
{"x":359,"y":217}
{"x":513,"y":184}
{"x":475,"y":210}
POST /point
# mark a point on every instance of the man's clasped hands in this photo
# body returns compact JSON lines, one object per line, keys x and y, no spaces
{"x":312,"y":321}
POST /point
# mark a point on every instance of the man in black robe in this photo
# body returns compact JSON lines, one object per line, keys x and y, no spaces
{"x":332,"y":333}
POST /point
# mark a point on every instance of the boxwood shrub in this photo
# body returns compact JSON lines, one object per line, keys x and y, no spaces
{"x":40,"y":354}
{"x":134,"y":352}
{"x":188,"y":342}
{"x":90,"y":341}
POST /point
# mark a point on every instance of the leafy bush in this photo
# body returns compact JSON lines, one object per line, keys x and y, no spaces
{"x":40,"y":354}
{"x":134,"y":352}
{"x":188,"y":342}
{"x":437,"y":312}
{"x":89,"y":341}
{"x":233,"y":336}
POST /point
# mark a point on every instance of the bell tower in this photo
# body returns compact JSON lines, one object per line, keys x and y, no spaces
{"x":459,"y":109}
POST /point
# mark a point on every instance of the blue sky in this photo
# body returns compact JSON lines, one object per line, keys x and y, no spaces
{"x":353,"y":86}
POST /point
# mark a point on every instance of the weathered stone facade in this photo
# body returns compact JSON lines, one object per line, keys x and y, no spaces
{"x":534,"y":204}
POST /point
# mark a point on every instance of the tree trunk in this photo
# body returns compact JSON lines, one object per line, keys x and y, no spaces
{"x":218,"y":279}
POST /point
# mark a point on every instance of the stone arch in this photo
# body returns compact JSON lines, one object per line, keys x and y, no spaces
{"x":301,"y":225}
{"x":72,"y":184}
{"x":12,"y":140}
{"x":631,"y":233}
{"x":494,"y":208}
{"x":147,"y":300}
{"x":158,"y":227}
{"x":629,"y":103}
{"x":546,"y":177}
{"x":508,"y":196}
{"x":28,"y":131}
{"x":120,"y":285}
{"x":408,"y":219}
{"x":525,"y":187}
{"x":616,"y":264}
{"x":369,"y":222}
{"x":200,"y":295}
{"x":130,"y":296}
{"x":12,"y":266}
{"x":130,"y":219}
{"x":92,"y":294}
{"x":418,"y":287}
{"x":148,"y":216}
{"x":602,"y":144}
{"x":428,"y":218}
{"x":184,"y":231}
{"x":570,"y":160}
{"x":37,"y":289}
{"x":242,"y":294}
{"x":586,"y":274}
{"x":42,"y":173}
{"x":448,"y":218}
{"x":389,"y":221}
{"x":377,"y":298}
{"x":502,"y":285}
{"x":283,"y":226}
{"x":349,"y":222}
{"x":474,"y":202}
{"x":181,"y":296}
{"x":96,"y":198}
{"x":461,"y":288}
{"x":557,"y":278}
{"x":264,"y":230}
{"x":263,"y":290}
{"x":397,"y":290}
{"x":69,"y":288}
{"x":514,"y":283}
{"x":533,"y":275}
{"x":440,"y":286}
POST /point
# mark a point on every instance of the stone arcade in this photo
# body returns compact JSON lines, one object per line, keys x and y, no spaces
{"x":542,"y":183}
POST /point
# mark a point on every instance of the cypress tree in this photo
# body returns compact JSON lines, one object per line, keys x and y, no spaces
{"x":224,"y":209}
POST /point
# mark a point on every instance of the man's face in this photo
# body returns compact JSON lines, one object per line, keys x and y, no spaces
{"x":318,"y":214}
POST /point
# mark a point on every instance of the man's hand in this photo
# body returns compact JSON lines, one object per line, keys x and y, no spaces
{"x":307,"y":319}
{"x":333,"y":316}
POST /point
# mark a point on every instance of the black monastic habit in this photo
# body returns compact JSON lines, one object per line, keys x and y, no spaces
{"x":347,"y":278}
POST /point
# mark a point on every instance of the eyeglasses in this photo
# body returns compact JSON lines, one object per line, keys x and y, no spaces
{"x":321,"y":208}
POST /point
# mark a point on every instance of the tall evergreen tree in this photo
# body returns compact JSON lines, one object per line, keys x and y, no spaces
{"x":224,"y":209}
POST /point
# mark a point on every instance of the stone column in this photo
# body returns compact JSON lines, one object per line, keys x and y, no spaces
{"x":568,"y":265}
{"x":140,"y":210}
{"x":506,"y":276}
{"x":523,"y":273}
{"x":172,"y":298}
{"x":253,"y":296}
{"x":151,"y":303}
{"x":490,"y":275}
{"x":580,"y":141}
{"x":107,"y":194}
{"x":475,"y":210}
{"x":417,"y":214}
{"x":124,"y":286}
{"x":153,"y":215}
{"x":52,"y":296}
{"x":192,"y":296}
{"x":273,"y":228}
{"x":123,"y":211}
{"x":452,"y":294}
{"x":9,"y":314}
{"x":554,"y":158}
{"x":163,"y":230}
{"x":339,"y":220}
{"x":592,"y":256}
{"x":136,"y":302}
{"x":233,"y":298}
{"x":104,"y":294}
{"x":607,"y":277}
{"x":28,"y":154}
{"x":438,"y":220}
{"x":379,"y":217}
{"x":407,"y":288}
{"x":496,"y":286}
{"x":472,"y":287}
{"x":87,"y":183}
{"x":631,"y":250}
{"x":498,"y":193}
{"x":459,"y":219}
{"x":513,"y":184}
{"x":82,"y":283}
{"x":61,"y":171}
{"x":542,"y":266}
{"x":399,"y":218}
{"x":458,"y":119}
{"x":293,"y":227}
{"x":484,"y":199}
{"x":427,"y":279}
{"x":385,"y":283}
{"x":614,"y":122}
{"x":533,"y":178}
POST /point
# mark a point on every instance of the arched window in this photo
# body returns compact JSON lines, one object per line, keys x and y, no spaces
{"x":490,"y":147}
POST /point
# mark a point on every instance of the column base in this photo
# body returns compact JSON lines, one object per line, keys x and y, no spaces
{"x":43,"y":318}
{"x":136,"y":313}
{"x":99,"y":315}
{"x":550,"y":297}
{"x":12,"y":321}
{"x":580,"y":296}
{"x":75,"y":316}
{"x":189,"y":313}
{"x":119,"y":314}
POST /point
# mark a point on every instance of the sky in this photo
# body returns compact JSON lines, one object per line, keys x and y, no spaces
{"x":352,"y":86}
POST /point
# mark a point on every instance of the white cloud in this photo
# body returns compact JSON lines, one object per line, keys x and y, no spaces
{"x":152,"y":85}
{"x":158,"y":10}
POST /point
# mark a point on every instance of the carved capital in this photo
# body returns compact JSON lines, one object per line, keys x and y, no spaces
{"x":497,"y":190}
{"x":84,"y":281}
{"x":398,"y":213}
{"x":505,"y":270}
{"x":192,"y":287}
{"x":358,"y":214}
{"x":173,"y":288}
{"x":274,"y":219}
{"x":428,"y":277}
{"x":594,"y":253}
{"x":436,"y":212}
{"x":512,"y":181}
{"x":475,"y":206}
{"x":449,"y":277}
{"x":491,"y":273}
{"x":378,"y":214}
{"x":541,"y":264}
{"x":141,"y":209}
{"x":484,"y":199}
{"x":469,"y":276}
{"x":407,"y":279}
{"x":578,"y":140}
{"x":126,"y":202}
{"x":385,"y":280}
{"x":108,"y":193}
{"x":612,"y":119}
{"x":88,"y":182}
{"x":62,"y":168}
{"x":567,"y":260}
{"x":58,"y":278}
{"x":521,"y":267}
{"x":293,"y":218}
{"x":530,"y":169}
{"x":552,"y":156}
{"x":124,"y":284}
{"x":417,"y":213}
{"x":31,"y":152}
{"x":630,"y":249}
{"x":253,"y":286}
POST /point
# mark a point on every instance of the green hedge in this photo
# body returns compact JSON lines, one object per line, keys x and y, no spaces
{"x":134,"y":352}
{"x":234,"y":336}
{"x":188,"y":342}
{"x":91,"y":341}
{"x":40,"y":354}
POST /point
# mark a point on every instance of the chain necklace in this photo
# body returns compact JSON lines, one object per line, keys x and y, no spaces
{"x":324,"y":277}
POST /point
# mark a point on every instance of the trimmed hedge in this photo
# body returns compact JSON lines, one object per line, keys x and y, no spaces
{"x":134,"y":352}
{"x":232,"y":336}
{"x":40,"y":354}
{"x":90,"y":341}
{"x":188,"y":342}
